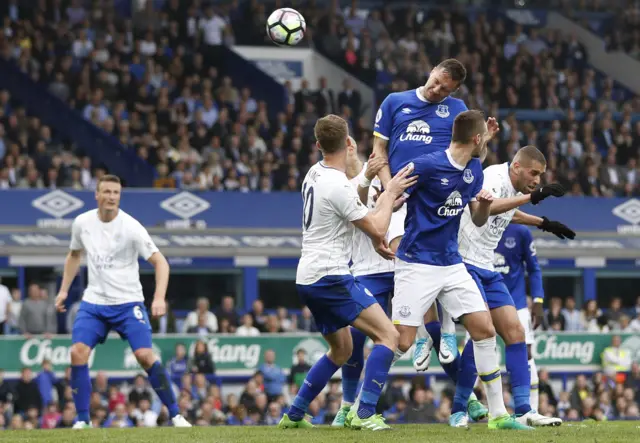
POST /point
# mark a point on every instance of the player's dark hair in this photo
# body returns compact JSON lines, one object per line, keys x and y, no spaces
{"x":455,"y":69}
{"x":331,"y":132}
{"x":530,"y":154}
{"x":467,"y":125}
{"x":108,"y":178}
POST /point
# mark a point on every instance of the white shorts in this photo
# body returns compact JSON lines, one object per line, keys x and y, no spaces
{"x":417,"y":286}
{"x":396,"y":226}
{"x":525,"y":318}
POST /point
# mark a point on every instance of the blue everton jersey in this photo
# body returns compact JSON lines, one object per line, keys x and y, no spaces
{"x":434,"y":208}
{"x":414,"y":126}
{"x":515,"y":250}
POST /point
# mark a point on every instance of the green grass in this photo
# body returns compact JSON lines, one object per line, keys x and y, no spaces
{"x":622,"y":432}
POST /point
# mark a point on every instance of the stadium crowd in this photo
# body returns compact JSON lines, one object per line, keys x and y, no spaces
{"x":153,"y":82}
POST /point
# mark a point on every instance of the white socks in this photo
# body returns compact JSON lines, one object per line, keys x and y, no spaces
{"x":534,"y":398}
{"x":397,"y":356}
{"x":422,"y":332}
{"x":486,"y":358}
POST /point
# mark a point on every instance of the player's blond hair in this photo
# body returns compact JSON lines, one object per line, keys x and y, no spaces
{"x":331,"y":133}
{"x":108,"y":178}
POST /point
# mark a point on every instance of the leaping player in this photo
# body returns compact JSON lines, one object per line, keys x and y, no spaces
{"x":429,"y":266}
{"x":408,"y":125}
{"x":113,"y":299}
{"x":511,"y":185}
{"x":516,"y":251}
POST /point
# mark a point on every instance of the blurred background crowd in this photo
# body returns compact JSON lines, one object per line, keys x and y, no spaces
{"x":154,"y":80}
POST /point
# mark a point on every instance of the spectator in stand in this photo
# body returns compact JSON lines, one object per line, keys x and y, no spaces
{"x":38,"y":315}
{"x":299,"y":370}
{"x":589,"y":317}
{"x":616,"y":361}
{"x":201,"y":361}
{"x":544,"y":386}
{"x":179,"y":364}
{"x":15,"y":307}
{"x":228,"y":311}
{"x":571,"y":315}
{"x":273,"y":325}
{"x":202,"y":328}
{"x":306,"y":322}
{"x":274,"y":378}
{"x":259,"y":316}
{"x":634,"y":325}
{"x":7,"y":392}
{"x":46,"y":381}
{"x":614,"y":313}
{"x":202,"y":308}
{"x":144,"y":415}
{"x":140,"y":391}
{"x":101,"y":385}
{"x":27,"y":392}
{"x":247,"y":329}
{"x":283,"y":317}
{"x":51,"y":417}
{"x":579,"y":392}
{"x":118,"y":418}
{"x":5,"y":304}
{"x":422,"y":408}
{"x":555,"y":320}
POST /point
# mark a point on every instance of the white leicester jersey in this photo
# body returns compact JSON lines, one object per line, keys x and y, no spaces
{"x":476,"y":244}
{"x":112,"y":251}
{"x":330,"y":205}
{"x":365,"y":260}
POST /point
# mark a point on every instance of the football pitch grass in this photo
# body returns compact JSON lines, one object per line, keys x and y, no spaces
{"x":613,"y":432}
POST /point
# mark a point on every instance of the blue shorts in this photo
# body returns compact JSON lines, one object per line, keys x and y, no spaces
{"x":380,"y":285}
{"x":335,"y":301}
{"x":492,"y":287}
{"x":130,"y":320}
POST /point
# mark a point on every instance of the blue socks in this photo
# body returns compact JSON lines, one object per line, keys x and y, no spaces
{"x":314,"y":383}
{"x":518,"y":368}
{"x":375,"y":376}
{"x":451,"y":369}
{"x":81,"y":386}
{"x":352,"y":370}
{"x":161,"y":383}
{"x":466,"y":379}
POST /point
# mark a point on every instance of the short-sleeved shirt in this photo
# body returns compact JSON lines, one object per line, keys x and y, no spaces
{"x":330,"y":204}
{"x":112,"y":251}
{"x":434,"y":208}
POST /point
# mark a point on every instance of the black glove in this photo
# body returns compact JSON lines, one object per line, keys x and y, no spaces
{"x":555,"y":189}
{"x":558,"y":229}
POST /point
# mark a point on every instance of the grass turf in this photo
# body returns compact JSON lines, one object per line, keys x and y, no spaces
{"x":613,"y":432}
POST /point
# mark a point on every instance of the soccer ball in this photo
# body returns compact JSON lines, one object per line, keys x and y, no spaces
{"x":286,"y":27}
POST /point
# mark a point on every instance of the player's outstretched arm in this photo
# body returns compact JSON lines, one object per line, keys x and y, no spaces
{"x":161,"y":266}
{"x":481,"y":208}
{"x":502,"y":205}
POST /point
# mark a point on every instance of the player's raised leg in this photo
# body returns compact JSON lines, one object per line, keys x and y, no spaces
{"x":462,"y":299}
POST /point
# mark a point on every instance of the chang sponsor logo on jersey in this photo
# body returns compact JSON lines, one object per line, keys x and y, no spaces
{"x":452,"y":206}
{"x":417,"y":131}
{"x":500,"y":264}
